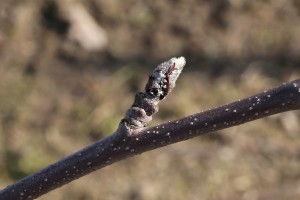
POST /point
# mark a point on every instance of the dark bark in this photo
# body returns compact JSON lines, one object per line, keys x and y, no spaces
{"x":128,"y":141}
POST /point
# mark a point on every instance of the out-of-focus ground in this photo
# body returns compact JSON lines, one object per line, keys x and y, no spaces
{"x":70,"y":69}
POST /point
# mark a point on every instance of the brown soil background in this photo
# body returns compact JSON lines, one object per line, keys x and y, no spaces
{"x":70,"y":69}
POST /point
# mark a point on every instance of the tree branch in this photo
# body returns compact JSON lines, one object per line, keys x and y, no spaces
{"x":132,"y":138}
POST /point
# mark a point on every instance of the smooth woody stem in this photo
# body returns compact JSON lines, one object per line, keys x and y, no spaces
{"x":126,"y":142}
{"x":281,"y":99}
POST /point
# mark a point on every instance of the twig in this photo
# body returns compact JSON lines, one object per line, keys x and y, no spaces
{"x":132,"y":138}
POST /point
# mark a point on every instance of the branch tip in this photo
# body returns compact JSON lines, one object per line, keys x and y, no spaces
{"x":160,"y":84}
{"x":163,"y":78}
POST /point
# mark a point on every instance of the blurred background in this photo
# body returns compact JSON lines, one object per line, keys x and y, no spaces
{"x":69,"y":71}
